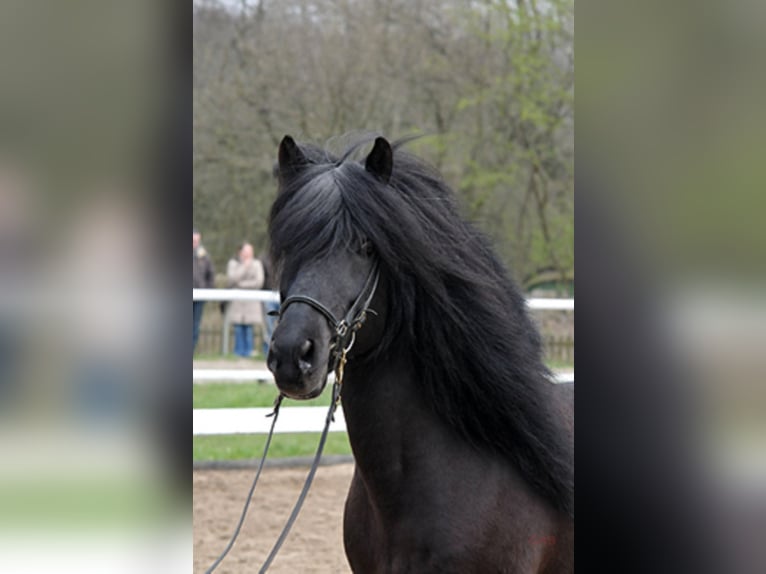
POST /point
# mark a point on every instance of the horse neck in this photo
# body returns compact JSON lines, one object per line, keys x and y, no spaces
{"x":385,"y":418}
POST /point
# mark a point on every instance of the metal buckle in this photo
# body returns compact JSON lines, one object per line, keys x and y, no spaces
{"x":342,"y":328}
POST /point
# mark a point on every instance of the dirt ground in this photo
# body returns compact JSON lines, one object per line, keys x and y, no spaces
{"x":315,"y":543}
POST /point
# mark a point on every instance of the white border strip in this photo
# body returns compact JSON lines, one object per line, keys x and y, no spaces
{"x":253,"y":375}
{"x":552,"y":304}
{"x":234,"y":295}
{"x":254,"y":420}
{"x":232,"y":375}
{"x":260,"y":295}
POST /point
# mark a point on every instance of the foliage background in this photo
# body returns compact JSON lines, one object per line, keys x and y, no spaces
{"x":490,"y":84}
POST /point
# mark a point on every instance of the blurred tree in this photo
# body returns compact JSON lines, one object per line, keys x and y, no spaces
{"x":489,"y":82}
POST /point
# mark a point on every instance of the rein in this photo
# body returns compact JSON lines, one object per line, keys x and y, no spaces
{"x":343,"y":339}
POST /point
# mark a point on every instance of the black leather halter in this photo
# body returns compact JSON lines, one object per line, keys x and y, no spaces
{"x":344,"y":330}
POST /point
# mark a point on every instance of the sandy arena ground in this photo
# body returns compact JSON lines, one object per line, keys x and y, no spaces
{"x":315,"y":543}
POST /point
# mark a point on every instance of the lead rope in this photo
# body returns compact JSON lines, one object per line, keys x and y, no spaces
{"x":275,"y":414}
{"x":309,"y":479}
{"x":349,"y":324}
{"x":299,"y":503}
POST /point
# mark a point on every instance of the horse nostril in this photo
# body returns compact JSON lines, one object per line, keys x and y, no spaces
{"x":305,"y":356}
{"x":272,"y":361}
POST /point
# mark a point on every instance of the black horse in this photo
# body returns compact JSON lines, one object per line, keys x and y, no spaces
{"x":463,"y":445}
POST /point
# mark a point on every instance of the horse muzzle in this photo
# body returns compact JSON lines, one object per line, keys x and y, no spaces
{"x":299,"y":363}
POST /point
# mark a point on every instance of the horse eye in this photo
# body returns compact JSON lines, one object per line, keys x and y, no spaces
{"x":367,"y":248}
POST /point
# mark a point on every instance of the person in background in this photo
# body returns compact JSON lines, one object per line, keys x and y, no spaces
{"x":244,"y":272}
{"x":269,"y":321}
{"x":204,"y":278}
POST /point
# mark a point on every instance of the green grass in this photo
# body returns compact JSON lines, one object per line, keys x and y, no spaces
{"x":551,"y":363}
{"x":239,"y":447}
{"x":237,"y":395}
{"x":250,"y":446}
{"x":556,"y":365}
{"x":201,"y":356}
{"x":79,"y":501}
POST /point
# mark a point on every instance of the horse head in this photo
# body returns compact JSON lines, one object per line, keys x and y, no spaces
{"x":328,"y":280}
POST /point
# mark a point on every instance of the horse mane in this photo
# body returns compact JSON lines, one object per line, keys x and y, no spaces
{"x":452,"y":304}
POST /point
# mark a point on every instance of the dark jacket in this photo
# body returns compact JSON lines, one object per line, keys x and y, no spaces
{"x":204,"y":274}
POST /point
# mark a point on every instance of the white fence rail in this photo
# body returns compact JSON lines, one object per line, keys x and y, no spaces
{"x":263,"y":375}
{"x":255,"y":421}
{"x":234,"y":295}
{"x":291,"y":419}
{"x":260,"y":295}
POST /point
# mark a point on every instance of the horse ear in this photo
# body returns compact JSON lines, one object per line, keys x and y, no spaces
{"x":380,"y":162}
{"x":291,"y":158}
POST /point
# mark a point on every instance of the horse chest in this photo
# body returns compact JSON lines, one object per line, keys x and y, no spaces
{"x":427,"y":539}
{"x":445,"y":510}
{"x":424,"y":500}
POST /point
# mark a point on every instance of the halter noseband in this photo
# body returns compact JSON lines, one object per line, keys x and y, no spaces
{"x":344,"y":330}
